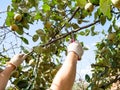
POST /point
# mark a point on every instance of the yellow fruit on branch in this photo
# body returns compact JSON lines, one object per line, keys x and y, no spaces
{"x":116,"y":3}
{"x":18,"y":17}
{"x":14,"y":27}
{"x":89,"y":7}
{"x":111,"y":36}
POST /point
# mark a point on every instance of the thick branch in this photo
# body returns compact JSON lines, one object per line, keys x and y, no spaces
{"x":69,"y":33}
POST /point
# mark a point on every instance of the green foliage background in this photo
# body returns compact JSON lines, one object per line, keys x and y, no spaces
{"x":61,"y":18}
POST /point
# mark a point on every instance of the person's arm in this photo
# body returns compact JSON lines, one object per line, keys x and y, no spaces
{"x":5,"y":75}
{"x":14,"y":63}
{"x":65,"y":77}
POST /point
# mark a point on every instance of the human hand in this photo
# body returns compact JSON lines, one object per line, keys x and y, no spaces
{"x":17,"y":59}
{"x":76,"y":48}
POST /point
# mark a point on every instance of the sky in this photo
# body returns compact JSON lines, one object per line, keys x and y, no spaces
{"x":83,"y":66}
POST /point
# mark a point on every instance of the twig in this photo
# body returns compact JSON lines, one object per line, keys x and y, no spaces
{"x":115,"y":12}
{"x":12,"y":47}
{"x":1,"y":27}
{"x":8,"y":49}
{"x":4,"y":56}
{"x":3,"y":12}
{"x":30,"y":52}
{"x":74,"y":13}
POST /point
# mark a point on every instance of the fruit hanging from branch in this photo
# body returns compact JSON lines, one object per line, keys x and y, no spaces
{"x":116,"y":3}
{"x":18,"y":17}
{"x":14,"y":27}
{"x":89,"y":7}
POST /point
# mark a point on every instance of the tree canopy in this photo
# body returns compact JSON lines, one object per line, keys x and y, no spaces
{"x":58,"y":20}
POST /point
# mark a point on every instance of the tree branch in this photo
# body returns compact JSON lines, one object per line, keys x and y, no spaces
{"x":69,"y":33}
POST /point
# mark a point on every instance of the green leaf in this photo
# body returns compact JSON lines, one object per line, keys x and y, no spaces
{"x":13,"y":1}
{"x":93,"y":33}
{"x":94,"y":2}
{"x":8,"y":23}
{"x":24,"y":40}
{"x":26,"y":26}
{"x":110,"y":29}
{"x":9,"y":19}
{"x":16,"y":1}
{"x":37,"y":49}
{"x":35,"y":37}
{"x":40,"y":32}
{"x":105,"y":7}
{"x":87,"y":78}
{"x":75,"y":26}
{"x":92,"y":28}
{"x":8,"y":8}
{"x":37,"y":16}
{"x":82,"y":33}
{"x":87,"y":32}
{"x":116,"y":27}
{"x":81,"y":3}
{"x":90,"y":87}
{"x":102,"y":19}
{"x":46,"y":7}
{"x":114,"y":21}
{"x":20,"y":31}
{"x":85,"y":48}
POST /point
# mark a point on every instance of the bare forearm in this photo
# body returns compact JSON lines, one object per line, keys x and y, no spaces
{"x":11,"y":65}
{"x":5,"y":75}
{"x":65,"y":77}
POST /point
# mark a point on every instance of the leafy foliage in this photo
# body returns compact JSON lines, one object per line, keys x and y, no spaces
{"x":61,"y":18}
